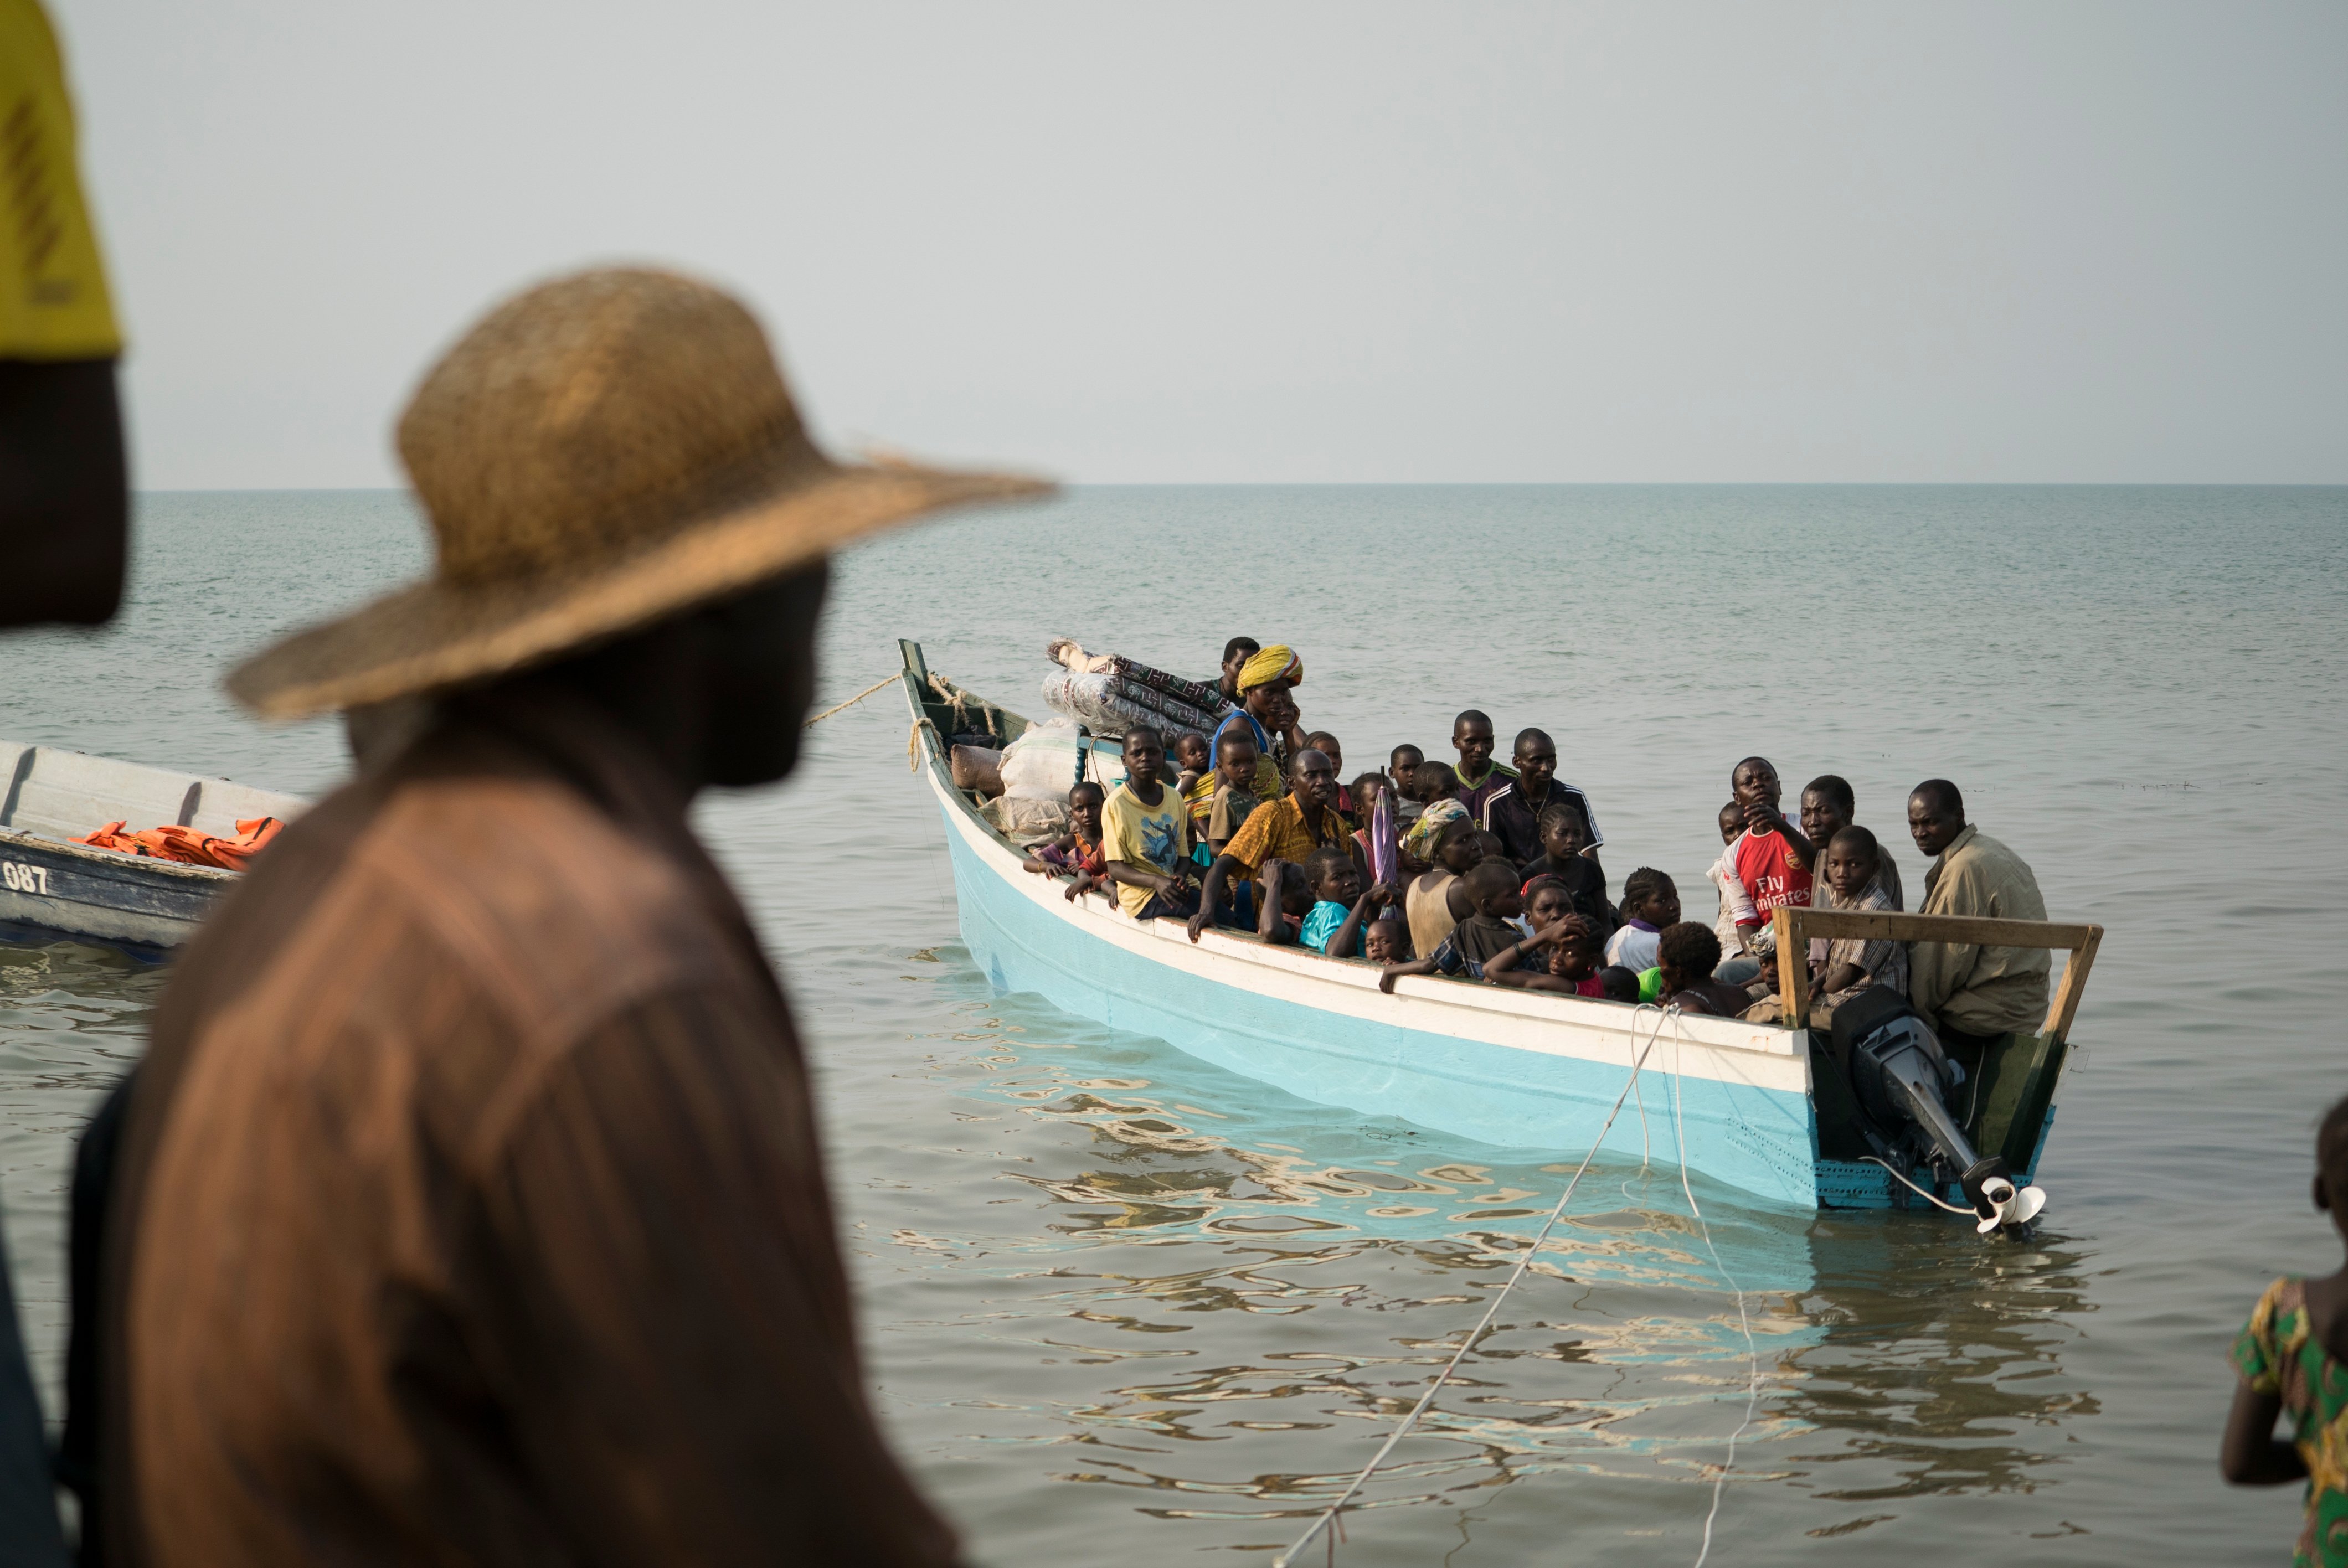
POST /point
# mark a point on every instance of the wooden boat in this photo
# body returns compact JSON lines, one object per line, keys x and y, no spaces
{"x":48,"y":885}
{"x":1528,"y":1070}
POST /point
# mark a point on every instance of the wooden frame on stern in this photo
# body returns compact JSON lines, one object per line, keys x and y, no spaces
{"x":1797,"y":927}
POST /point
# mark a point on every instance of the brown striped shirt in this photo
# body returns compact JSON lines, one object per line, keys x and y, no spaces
{"x":474,"y":1204}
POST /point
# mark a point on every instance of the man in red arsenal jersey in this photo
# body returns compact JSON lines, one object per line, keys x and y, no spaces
{"x":1772,"y":859}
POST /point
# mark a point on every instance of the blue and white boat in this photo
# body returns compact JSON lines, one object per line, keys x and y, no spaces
{"x":1515,"y":1069}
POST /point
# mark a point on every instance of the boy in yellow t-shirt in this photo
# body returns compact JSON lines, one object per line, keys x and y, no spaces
{"x":1145,"y":833}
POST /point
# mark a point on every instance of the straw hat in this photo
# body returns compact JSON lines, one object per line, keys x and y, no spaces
{"x":598,"y":453}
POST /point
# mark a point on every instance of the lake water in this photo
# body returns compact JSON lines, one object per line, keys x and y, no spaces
{"x":1120,"y":1304}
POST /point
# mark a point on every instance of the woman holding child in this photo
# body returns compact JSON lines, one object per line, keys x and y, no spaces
{"x":1268,"y":712}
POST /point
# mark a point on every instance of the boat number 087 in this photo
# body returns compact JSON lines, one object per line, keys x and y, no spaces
{"x":19,"y":878}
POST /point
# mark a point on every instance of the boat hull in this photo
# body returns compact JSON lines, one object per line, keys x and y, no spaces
{"x":1499,"y":1073}
{"x":95,"y":893}
{"x":51,"y":885}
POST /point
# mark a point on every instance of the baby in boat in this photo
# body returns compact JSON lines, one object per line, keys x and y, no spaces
{"x":1333,"y":925}
{"x":1385,"y":942}
{"x":1077,"y":852}
{"x":1196,"y":781}
{"x":1490,"y":891}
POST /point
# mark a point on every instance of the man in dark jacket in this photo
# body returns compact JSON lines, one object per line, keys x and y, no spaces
{"x":469,"y":1206}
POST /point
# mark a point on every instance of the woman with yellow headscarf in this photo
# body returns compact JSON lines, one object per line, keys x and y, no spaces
{"x":1269,"y":712}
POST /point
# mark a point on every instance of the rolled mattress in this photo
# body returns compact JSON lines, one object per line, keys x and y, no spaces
{"x":1109,"y":705}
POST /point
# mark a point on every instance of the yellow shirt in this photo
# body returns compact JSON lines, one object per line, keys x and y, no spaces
{"x":1157,"y":837}
{"x":52,"y":299}
{"x":1276,"y":831}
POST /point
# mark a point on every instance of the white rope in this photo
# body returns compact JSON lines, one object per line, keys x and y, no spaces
{"x":1928,"y":1197}
{"x":1330,"y":1514}
{"x":1744,"y":1320}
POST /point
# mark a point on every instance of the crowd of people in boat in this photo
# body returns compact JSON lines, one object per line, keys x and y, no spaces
{"x":1490,"y":871}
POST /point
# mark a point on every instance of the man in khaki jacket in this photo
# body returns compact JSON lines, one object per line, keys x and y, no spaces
{"x":1972,"y":994}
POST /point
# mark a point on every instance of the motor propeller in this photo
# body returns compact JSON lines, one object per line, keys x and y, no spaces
{"x":1902,"y":1077}
{"x":1998,"y":1201}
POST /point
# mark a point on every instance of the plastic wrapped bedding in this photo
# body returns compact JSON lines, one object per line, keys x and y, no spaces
{"x":1167,"y":693}
{"x":1185,"y":704}
{"x":1109,"y":705}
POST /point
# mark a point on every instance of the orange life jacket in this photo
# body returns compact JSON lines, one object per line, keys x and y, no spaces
{"x":187,"y":846}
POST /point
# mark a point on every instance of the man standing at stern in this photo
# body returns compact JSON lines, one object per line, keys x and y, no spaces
{"x":469,"y":1206}
{"x":1972,"y":995}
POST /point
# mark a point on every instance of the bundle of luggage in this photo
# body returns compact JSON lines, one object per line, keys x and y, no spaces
{"x":1098,"y":697}
{"x":1109,"y":694}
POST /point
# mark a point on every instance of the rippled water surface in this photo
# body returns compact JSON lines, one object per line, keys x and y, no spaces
{"x":1121,"y":1305}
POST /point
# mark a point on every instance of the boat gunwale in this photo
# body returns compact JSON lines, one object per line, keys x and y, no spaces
{"x":145,"y":864}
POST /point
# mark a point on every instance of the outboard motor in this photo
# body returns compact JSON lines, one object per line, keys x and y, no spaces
{"x":1902,"y":1077}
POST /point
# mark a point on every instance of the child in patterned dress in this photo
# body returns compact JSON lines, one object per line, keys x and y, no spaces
{"x":2292,"y":1360}
{"x":1078,"y":851}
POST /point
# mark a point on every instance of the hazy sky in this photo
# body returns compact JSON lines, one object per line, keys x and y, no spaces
{"x":1292,"y":241}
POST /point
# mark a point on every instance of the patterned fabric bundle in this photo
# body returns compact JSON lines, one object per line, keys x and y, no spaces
{"x":1184,"y":704}
{"x":1109,"y":705}
{"x":1088,"y":699}
{"x":1186,"y":696}
{"x":1176,"y":713}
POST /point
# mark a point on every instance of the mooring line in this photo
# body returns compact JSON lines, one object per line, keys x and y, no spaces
{"x":1744,"y":1320}
{"x":836,"y":707}
{"x":1329,"y":1515}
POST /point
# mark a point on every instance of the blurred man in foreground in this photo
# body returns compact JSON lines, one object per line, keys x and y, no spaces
{"x":470,"y":1206}
{"x":65,"y":511}
{"x":65,"y":503}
